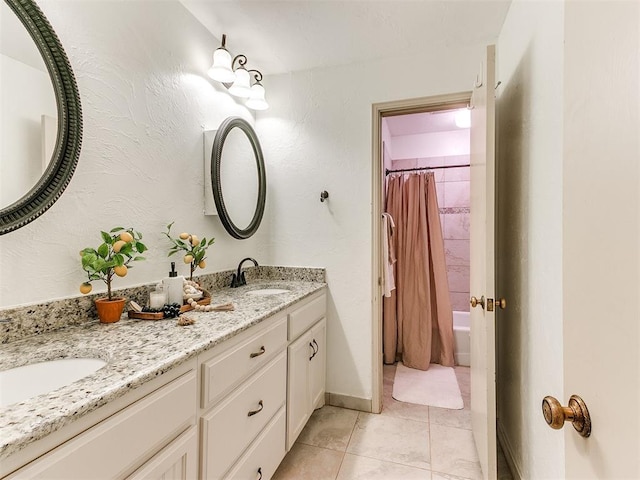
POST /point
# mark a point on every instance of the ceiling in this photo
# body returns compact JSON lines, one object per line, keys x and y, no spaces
{"x":285,"y":36}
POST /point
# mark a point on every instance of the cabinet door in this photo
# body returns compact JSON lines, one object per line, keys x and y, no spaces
{"x":177,"y":461}
{"x":298,"y":393}
{"x":317,"y":365}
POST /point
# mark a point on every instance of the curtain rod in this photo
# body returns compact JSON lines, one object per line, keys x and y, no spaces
{"x":387,"y":171}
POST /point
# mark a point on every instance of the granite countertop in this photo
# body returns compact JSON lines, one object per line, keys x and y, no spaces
{"x":136,"y":351}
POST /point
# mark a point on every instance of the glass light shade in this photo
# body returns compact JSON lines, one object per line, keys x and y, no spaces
{"x":242,"y":85}
{"x":256,"y":99}
{"x":221,"y":69}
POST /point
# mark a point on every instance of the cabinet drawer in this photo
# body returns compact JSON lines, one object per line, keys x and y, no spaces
{"x":223,"y":372}
{"x":264,"y":455}
{"x":303,"y":318}
{"x":228,"y":429}
{"x":121,"y":442}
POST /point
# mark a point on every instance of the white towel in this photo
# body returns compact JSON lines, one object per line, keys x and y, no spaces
{"x":389,"y":254}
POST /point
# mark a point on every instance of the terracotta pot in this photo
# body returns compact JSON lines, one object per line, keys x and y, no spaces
{"x":110,"y":311}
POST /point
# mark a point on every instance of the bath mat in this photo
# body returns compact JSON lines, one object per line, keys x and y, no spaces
{"x":436,"y":387}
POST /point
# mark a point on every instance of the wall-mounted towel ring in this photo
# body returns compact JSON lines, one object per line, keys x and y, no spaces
{"x":324,"y":195}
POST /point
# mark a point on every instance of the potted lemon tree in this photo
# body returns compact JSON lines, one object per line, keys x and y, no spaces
{"x":119,"y":248}
{"x":195,"y":250}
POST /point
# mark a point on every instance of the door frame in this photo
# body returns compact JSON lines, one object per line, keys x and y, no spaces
{"x":379,"y":110}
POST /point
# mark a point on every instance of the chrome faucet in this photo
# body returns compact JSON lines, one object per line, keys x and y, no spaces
{"x":238,"y":278}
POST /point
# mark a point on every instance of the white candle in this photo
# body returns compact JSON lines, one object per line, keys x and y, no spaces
{"x":157,"y":299}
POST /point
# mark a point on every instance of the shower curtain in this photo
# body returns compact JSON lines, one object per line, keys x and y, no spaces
{"x":417,"y":317}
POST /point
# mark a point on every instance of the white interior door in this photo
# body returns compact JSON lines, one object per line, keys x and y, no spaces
{"x":483,"y":369}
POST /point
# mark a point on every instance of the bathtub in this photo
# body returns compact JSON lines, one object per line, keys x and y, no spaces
{"x":462,"y":338}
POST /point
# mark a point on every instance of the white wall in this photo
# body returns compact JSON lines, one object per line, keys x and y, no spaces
{"x":146,"y":101}
{"x":529,"y":237}
{"x":433,"y":144}
{"x":25,"y":95}
{"x":317,"y":133}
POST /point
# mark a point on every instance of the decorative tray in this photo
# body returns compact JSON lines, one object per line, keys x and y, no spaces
{"x":205,"y":300}
{"x":145,"y":315}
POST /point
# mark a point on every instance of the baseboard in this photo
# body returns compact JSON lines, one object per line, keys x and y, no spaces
{"x":503,"y":439}
{"x":347,"y":401}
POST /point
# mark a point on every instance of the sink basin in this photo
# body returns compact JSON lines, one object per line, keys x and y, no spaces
{"x":18,"y":384}
{"x":268,"y":291}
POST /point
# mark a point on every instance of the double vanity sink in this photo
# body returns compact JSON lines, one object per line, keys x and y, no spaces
{"x":21,"y":383}
{"x":56,"y":379}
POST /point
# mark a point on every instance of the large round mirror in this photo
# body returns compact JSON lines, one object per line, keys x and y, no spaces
{"x":238,"y":177}
{"x":41,"y":128}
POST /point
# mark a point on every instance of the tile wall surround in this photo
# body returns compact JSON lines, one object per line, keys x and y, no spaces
{"x":27,"y":320}
{"x":453,"y":190}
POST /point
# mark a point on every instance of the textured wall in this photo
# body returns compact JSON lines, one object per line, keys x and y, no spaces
{"x":529,"y":235}
{"x":318,"y":134}
{"x":146,"y":101}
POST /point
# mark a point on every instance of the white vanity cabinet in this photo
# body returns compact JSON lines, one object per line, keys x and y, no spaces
{"x":306,"y":364}
{"x":244,"y":384}
{"x":256,"y":387}
{"x":231,"y":413}
{"x":149,"y":436}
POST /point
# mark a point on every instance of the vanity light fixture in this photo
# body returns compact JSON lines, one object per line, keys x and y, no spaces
{"x":242,"y":84}
{"x":233,"y":75}
{"x":221,"y":70}
{"x":256,"y":99}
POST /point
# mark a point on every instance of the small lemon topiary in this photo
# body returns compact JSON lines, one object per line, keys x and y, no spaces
{"x":120,"y":247}
{"x":194,"y":248}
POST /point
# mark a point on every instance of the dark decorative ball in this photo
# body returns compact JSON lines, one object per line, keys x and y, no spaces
{"x":171,"y":310}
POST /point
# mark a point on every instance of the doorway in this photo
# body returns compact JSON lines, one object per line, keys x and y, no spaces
{"x":427,"y":105}
{"x":390,"y":109}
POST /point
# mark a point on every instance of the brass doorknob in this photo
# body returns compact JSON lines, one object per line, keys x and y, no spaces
{"x":502,"y":303}
{"x":577,"y":413}
{"x":475,"y":302}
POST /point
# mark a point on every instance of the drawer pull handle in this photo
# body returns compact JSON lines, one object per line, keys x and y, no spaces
{"x":257,"y":354}
{"x":260,"y":473}
{"x":253,"y":412}
{"x":317,"y":347}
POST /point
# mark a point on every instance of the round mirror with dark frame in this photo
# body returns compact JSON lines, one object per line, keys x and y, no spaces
{"x":238,"y":177}
{"x":64,"y":158}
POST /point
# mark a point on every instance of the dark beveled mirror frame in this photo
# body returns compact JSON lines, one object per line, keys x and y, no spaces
{"x":67,"y":149}
{"x":216,"y":158}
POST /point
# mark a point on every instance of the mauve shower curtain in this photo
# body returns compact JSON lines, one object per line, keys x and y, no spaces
{"x":417,"y":320}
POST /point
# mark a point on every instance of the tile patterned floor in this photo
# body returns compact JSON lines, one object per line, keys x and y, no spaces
{"x":406,"y":441}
